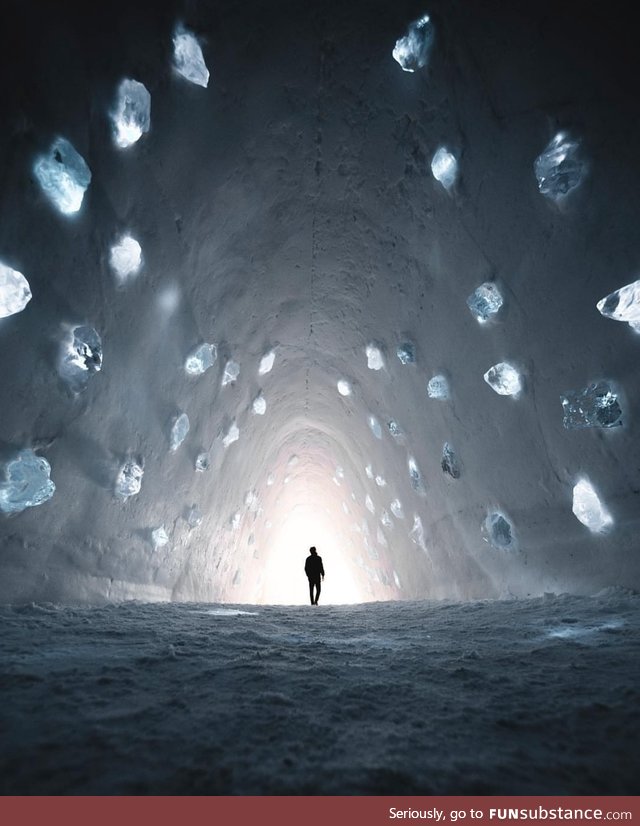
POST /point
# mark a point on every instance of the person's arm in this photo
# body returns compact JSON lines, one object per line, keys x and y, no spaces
{"x":322,"y":569}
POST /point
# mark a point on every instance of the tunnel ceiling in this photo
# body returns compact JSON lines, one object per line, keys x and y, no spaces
{"x":288,"y":212}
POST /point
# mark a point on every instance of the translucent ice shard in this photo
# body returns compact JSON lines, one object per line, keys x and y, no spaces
{"x":63,"y":176}
{"x":394,"y":429}
{"x":259,"y":405}
{"x":340,"y":472}
{"x":125,"y":258}
{"x":24,"y":482}
{"x":80,"y":355}
{"x":559,"y":169}
{"x":375,"y":360}
{"x":381,"y":482}
{"x":412,"y":50}
{"x":374,"y":424}
{"x":369,"y":504}
{"x":187,"y":58}
{"x":159,"y":538}
{"x":129,"y":478}
{"x":179,"y":431}
{"x":15,"y":293}
{"x":252,"y":501}
{"x":589,"y":509}
{"x":406,"y":353}
{"x":438,"y":388}
{"x":344,"y":388}
{"x":595,"y":406}
{"x":450,"y":463}
{"x":131,"y":117}
{"x":202,"y":462}
{"x":381,"y":539}
{"x":193,"y":517}
{"x":623,"y":305}
{"x":232,"y":435}
{"x":385,"y":519}
{"x":231,"y":373}
{"x":369,"y":471}
{"x":444,"y":167}
{"x":499,"y":531}
{"x":415,"y":476}
{"x":266,"y":363}
{"x":396,"y":509}
{"x":485,"y":301}
{"x":201,"y":359}
{"x":416,"y":534}
{"x":504,"y":379}
{"x":270,"y":479}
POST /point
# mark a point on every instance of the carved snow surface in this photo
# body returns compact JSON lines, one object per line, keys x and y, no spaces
{"x":485,"y":302}
{"x":438,"y":388}
{"x":588,"y":508}
{"x":498,"y":530}
{"x":444,"y":167}
{"x":623,"y":305}
{"x":129,"y":478}
{"x":15,"y":292}
{"x":188,"y":60}
{"x":131,"y":117}
{"x":201,"y":359}
{"x":159,"y":538}
{"x":559,"y":169}
{"x":179,"y":431}
{"x":504,"y":379}
{"x":412,"y":50}
{"x":25,"y":482}
{"x":450,"y":463}
{"x":79,"y":357}
{"x":595,"y":406}
{"x":125,"y":259}
{"x":63,"y":176}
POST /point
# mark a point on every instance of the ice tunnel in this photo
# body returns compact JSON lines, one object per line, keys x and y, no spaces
{"x":283,"y":274}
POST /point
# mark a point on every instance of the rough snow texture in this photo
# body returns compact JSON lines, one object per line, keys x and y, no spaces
{"x":291,"y":207}
{"x":386,"y":699}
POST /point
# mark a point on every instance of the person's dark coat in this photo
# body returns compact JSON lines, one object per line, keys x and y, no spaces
{"x":313,"y":567}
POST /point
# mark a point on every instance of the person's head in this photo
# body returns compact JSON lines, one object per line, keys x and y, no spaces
{"x":312,"y":550}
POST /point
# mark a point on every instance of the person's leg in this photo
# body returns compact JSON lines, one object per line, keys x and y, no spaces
{"x":317,"y":590}
{"x":311,"y":590}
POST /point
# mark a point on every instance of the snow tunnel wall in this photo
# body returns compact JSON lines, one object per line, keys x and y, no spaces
{"x":289,"y":206}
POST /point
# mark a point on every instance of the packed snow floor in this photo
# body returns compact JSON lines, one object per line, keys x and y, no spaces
{"x":539,"y":696}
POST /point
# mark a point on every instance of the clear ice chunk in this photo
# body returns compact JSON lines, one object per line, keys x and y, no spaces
{"x":259,"y":405}
{"x":194,"y":517}
{"x":498,"y":530}
{"x":344,"y":388}
{"x":595,"y":406}
{"x":412,"y":50}
{"x":504,"y":379}
{"x":416,"y":534}
{"x":15,"y":292}
{"x":129,"y":478}
{"x":559,"y":169}
{"x":63,"y":176}
{"x":187,"y":58}
{"x":125,"y":258}
{"x":381,"y":539}
{"x":623,"y":305}
{"x":369,"y":471}
{"x":406,"y":353}
{"x":231,"y":373}
{"x":25,"y":482}
{"x":438,"y":388}
{"x":394,"y":429}
{"x":450,"y":463}
{"x":266,"y":363}
{"x":201,"y":359}
{"x":159,"y":538}
{"x":385,"y":519}
{"x":202,"y":462}
{"x":396,"y":509}
{"x":444,"y":167}
{"x":270,"y":479}
{"x":485,"y":302}
{"x":232,"y":435}
{"x":179,"y":431}
{"x":381,"y":482}
{"x":375,"y":360}
{"x":80,"y":355}
{"x":131,"y":117}
{"x":415,"y":476}
{"x":588,"y":508}
{"x":368,"y":502}
{"x":374,"y":424}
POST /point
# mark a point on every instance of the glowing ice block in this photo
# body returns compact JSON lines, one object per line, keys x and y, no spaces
{"x":375,"y":361}
{"x":201,"y":359}
{"x":80,"y":355}
{"x":588,"y":508}
{"x":504,"y":379}
{"x":444,"y":167}
{"x":125,"y":258}
{"x":231,"y":373}
{"x":438,"y":388}
{"x":485,"y":302}
{"x":266,"y":363}
{"x":412,"y":50}
{"x":129,"y":478}
{"x":24,"y":482}
{"x":259,"y":405}
{"x":179,"y":431}
{"x":15,"y":292}
{"x":559,"y":169}
{"x":159,"y":538}
{"x":188,"y":60}
{"x":596,"y":405}
{"x":63,"y":176}
{"x":623,"y":305}
{"x":344,"y":388}
{"x":131,"y":117}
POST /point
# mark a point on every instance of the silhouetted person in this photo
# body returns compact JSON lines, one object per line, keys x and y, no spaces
{"x":314,"y":569}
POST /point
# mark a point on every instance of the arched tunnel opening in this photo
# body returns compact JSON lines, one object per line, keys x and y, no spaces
{"x":360,"y":276}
